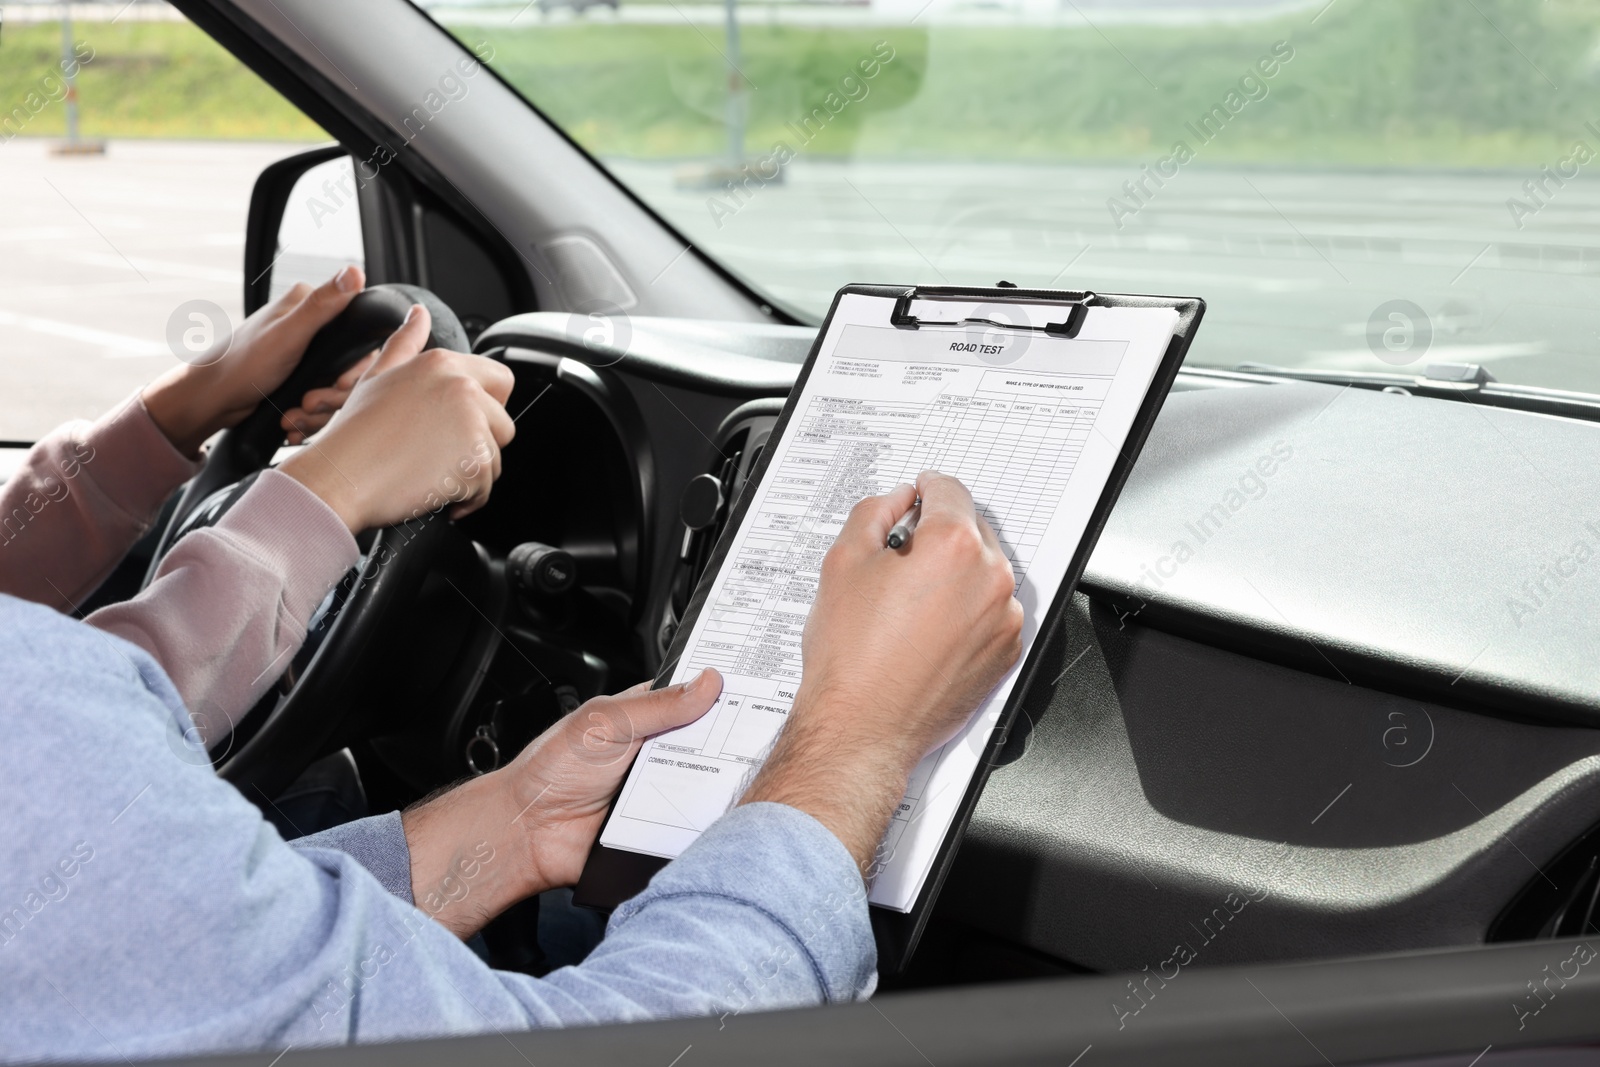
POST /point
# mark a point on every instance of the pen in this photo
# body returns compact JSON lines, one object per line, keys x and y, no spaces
{"x":900,"y":532}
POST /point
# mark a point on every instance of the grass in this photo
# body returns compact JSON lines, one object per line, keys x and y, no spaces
{"x":660,"y":90}
{"x":1373,"y":82}
{"x":146,"y":79}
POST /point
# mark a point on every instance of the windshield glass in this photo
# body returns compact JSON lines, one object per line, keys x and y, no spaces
{"x":1353,"y":185}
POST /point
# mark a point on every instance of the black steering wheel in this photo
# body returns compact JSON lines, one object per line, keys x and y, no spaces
{"x":295,"y":721}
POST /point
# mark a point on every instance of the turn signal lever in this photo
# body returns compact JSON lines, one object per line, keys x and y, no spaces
{"x":541,"y":570}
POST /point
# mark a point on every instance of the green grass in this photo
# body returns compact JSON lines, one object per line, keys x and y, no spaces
{"x":659,"y":90}
{"x":1375,"y":82}
{"x":150,"y":79}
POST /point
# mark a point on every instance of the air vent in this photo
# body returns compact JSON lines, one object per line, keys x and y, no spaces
{"x":707,"y":503}
{"x":743,"y":453}
{"x":1562,"y":901}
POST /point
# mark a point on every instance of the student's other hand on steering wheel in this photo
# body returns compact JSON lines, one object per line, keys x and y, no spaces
{"x":422,"y":430}
{"x":319,"y":406}
{"x":192,"y":402}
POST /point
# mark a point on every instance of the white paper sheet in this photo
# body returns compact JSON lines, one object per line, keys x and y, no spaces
{"x":1031,"y":424}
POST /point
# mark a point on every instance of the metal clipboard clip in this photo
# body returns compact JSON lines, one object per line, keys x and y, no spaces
{"x":1077,"y":310}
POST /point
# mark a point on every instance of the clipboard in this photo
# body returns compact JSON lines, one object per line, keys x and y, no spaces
{"x":613,"y":875}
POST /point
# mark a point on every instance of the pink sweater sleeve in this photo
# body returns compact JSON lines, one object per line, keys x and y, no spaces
{"x":230,"y":604}
{"x":82,"y":497}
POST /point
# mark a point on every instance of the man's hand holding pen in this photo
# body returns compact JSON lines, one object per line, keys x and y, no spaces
{"x":901,"y":646}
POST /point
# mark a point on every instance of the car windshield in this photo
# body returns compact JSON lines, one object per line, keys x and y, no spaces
{"x":1352,"y":185}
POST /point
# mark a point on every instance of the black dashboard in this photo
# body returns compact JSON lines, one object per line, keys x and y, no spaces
{"x":1327,"y":686}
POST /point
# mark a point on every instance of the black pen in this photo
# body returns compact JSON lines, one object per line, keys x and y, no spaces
{"x":900,"y":532}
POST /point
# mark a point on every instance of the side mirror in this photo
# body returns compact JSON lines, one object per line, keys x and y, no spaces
{"x":304,"y":224}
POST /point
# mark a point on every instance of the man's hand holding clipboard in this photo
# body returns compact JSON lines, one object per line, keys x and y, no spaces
{"x":1034,"y":403}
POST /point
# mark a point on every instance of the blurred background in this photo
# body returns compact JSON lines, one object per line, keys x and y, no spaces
{"x":100,"y":240}
{"x":1361,"y":185}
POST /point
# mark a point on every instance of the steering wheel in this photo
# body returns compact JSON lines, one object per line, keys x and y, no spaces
{"x":295,"y":721}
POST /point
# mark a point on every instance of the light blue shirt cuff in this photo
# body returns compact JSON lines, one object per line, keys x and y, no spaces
{"x":780,"y":862}
{"x":377,"y":843}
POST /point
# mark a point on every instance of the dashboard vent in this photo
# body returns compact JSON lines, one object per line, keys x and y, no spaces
{"x":701,"y":525}
{"x":1560,"y":902}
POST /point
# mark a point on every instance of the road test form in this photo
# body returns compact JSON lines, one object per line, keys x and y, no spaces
{"x":1032,"y":423}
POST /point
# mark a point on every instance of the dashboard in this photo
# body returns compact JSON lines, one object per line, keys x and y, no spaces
{"x":1327,"y":686}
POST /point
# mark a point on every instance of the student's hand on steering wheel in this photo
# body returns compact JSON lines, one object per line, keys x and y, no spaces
{"x":319,"y":406}
{"x":421,"y":430}
{"x":192,"y":402}
{"x":528,"y":826}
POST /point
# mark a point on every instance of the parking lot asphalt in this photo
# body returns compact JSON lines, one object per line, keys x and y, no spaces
{"x":96,"y":254}
{"x":1299,"y":268}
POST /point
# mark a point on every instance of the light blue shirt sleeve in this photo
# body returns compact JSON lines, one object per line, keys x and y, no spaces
{"x":377,"y":843}
{"x":146,"y":909}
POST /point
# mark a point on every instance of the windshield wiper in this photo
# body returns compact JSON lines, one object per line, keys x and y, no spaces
{"x":1443,"y":381}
